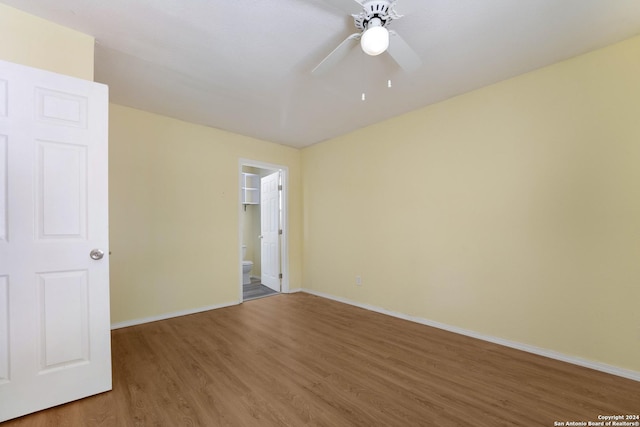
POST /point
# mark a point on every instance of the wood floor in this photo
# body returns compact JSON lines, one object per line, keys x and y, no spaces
{"x":296,"y":360}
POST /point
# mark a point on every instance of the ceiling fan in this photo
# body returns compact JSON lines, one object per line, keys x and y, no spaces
{"x":374,"y":37}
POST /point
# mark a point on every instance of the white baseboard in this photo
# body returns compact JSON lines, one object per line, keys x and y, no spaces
{"x":135,"y":322}
{"x":609,"y":369}
{"x":294,"y":290}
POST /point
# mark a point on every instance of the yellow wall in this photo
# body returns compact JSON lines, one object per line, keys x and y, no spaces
{"x":512,"y":211}
{"x":174,"y":213}
{"x":28,"y":40}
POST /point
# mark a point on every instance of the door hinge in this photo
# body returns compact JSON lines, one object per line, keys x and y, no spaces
{"x":280,"y":187}
{"x":280,"y":276}
{"x":279,"y":231}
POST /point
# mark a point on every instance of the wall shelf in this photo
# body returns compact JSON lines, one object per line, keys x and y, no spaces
{"x":250,"y":189}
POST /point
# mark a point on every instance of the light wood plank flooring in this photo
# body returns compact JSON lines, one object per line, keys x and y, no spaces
{"x":296,"y":360}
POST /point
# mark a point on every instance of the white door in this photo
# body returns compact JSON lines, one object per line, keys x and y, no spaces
{"x":54,"y":298}
{"x":270,"y":230}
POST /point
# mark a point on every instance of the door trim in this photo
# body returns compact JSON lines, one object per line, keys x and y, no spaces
{"x":284,"y":247}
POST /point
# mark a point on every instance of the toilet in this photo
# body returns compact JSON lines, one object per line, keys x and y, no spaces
{"x":246,"y":267}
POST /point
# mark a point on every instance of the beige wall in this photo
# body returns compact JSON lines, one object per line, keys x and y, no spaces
{"x":512,"y":211}
{"x":174,"y":213}
{"x":28,"y":40}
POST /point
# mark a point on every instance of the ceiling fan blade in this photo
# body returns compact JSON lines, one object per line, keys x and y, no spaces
{"x":349,"y":6}
{"x":402,"y":53}
{"x":337,"y":55}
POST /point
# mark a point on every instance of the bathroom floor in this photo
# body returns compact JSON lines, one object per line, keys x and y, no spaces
{"x":256,"y":290}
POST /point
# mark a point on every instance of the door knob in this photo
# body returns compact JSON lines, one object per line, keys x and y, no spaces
{"x":96,"y":254}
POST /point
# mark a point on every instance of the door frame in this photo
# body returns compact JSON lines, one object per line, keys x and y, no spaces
{"x":284,"y":243}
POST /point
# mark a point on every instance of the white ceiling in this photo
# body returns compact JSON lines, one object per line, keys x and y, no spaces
{"x":244,"y":65}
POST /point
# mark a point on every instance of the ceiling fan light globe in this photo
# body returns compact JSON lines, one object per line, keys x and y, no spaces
{"x":375,"y":40}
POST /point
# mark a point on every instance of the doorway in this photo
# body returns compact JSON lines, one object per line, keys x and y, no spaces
{"x":263,"y":230}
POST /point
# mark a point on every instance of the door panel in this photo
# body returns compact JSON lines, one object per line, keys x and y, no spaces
{"x":64,"y":318}
{"x":61,"y":180}
{"x":3,"y":98}
{"x":4,"y":329}
{"x":54,"y":299}
{"x":4,"y":170}
{"x":61,"y":108}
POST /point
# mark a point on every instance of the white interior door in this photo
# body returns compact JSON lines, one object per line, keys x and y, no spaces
{"x":54,"y":298}
{"x":270,"y":230}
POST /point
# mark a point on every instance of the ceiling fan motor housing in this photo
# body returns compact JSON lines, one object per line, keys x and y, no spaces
{"x":383,"y":10}
{"x":373,"y":36}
